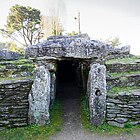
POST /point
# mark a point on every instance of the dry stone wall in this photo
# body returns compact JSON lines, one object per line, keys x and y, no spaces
{"x":9,"y":55}
{"x":123,"y":72}
{"x":123,"y":109}
{"x":14,"y":103}
{"x":18,"y":68}
{"x":124,"y":81}
{"x":123,"y":67}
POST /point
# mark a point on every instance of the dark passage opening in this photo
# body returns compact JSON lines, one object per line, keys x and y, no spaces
{"x":67,"y":71}
{"x":68,"y":93}
{"x":68,"y":78}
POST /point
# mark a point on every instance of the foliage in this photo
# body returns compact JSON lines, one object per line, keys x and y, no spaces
{"x":105,"y":128}
{"x":51,"y":26}
{"x":13,"y":47}
{"x":72,"y":33}
{"x":114,"y":41}
{"x":57,"y":28}
{"x":23,"y":22}
{"x":35,"y":132}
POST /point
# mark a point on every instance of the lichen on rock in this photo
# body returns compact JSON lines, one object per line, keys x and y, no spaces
{"x":39,"y":97}
{"x":96,"y":91}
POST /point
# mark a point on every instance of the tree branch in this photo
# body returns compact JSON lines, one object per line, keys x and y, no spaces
{"x":13,"y":38}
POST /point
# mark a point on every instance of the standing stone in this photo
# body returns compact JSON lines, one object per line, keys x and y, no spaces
{"x":39,"y":97}
{"x":96,"y":91}
{"x":53,"y":88}
{"x":51,"y":66}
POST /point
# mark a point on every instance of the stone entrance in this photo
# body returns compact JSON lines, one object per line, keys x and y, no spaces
{"x":68,"y":75}
{"x":68,"y":79}
{"x":67,"y":71}
{"x":66,"y":59}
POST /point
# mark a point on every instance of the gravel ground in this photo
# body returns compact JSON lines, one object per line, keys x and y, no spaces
{"x":72,"y":128}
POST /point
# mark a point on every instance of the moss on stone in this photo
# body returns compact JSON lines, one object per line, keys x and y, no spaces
{"x":2,"y":67}
{"x":124,"y":73}
{"x":15,"y":79}
{"x":104,"y":129}
{"x":10,"y":68}
{"x":35,"y":132}
{"x":17,"y":62}
{"x":122,"y":61}
{"x":116,"y":90}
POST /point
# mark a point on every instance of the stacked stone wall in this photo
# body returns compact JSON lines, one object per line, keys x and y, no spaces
{"x":123,"y":109}
{"x":124,"y":81}
{"x":14,"y":103}
{"x":14,"y":69}
{"x":115,"y":68}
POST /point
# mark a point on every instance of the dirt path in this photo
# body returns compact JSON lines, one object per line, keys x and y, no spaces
{"x":72,"y":128}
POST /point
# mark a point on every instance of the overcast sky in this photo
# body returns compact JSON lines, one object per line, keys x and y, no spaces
{"x":99,"y":18}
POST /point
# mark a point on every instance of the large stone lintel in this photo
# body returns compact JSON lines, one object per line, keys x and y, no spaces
{"x":73,"y":47}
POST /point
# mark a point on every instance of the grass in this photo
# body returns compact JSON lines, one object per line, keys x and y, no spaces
{"x":15,"y":79}
{"x":116,"y":90}
{"x":23,"y":62}
{"x":104,"y":129}
{"x":22,"y":65}
{"x":124,"y":73}
{"x":16,"y":61}
{"x":20,"y":62}
{"x":122,"y":61}
{"x":2,"y":67}
{"x":35,"y":132}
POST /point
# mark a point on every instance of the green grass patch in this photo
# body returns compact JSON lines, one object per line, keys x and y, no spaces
{"x":15,"y":79}
{"x":124,"y":73}
{"x":2,"y":67}
{"x":35,"y":132}
{"x":17,"y":62}
{"x":122,"y":61}
{"x":116,"y":90}
{"x":17,"y":67}
{"x":20,"y":61}
{"x":104,"y":129}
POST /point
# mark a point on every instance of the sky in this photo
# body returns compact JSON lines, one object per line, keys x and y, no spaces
{"x":101,"y":19}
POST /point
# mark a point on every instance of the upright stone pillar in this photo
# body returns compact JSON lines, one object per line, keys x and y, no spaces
{"x":52,"y":88}
{"x":51,"y":66}
{"x":96,"y":91}
{"x":39,"y":97}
